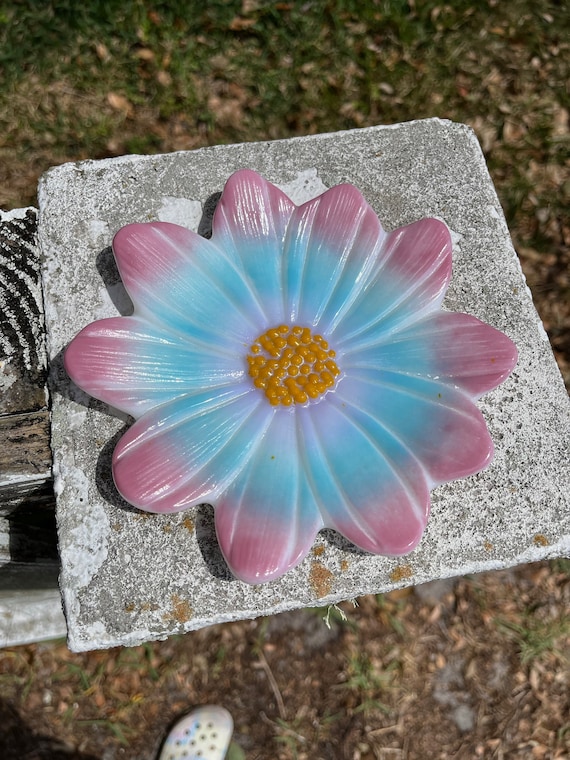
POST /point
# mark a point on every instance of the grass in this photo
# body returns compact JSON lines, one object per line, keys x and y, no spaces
{"x":364,"y":688}
{"x":390,"y":612}
{"x":288,"y":736}
{"x":118,"y":730}
{"x":536,"y":638}
{"x":333,"y":615}
{"x":227,"y":71}
{"x":368,"y":683}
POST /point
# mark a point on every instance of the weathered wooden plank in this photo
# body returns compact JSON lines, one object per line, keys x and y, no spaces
{"x":25,"y":459}
{"x":22,"y":344}
{"x":30,"y":538}
{"x":30,"y":616}
{"x":30,"y":608}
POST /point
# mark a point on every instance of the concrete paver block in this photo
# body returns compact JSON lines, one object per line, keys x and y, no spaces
{"x":127,"y":576}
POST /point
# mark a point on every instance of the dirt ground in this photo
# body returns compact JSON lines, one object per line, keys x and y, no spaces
{"x":468,"y":668}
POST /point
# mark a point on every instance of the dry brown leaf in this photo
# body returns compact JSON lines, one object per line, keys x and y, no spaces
{"x":227,"y":111}
{"x":144,"y":54}
{"x":238,"y":23}
{"x":164,"y":78}
{"x":102,"y":52}
{"x":560,"y":122}
{"x":120,"y":103}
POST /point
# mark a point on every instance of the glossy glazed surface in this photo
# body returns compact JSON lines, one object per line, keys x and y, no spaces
{"x":362,"y":455}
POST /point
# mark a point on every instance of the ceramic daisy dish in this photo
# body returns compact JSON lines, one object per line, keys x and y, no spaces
{"x":296,"y":371}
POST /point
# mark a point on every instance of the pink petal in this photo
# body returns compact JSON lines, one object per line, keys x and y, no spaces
{"x":267,"y":519}
{"x":409,"y":281}
{"x":181,"y":281}
{"x":134,"y":366}
{"x":451,"y":348}
{"x":252,"y":209}
{"x":369,"y":486}
{"x":332,"y":244}
{"x":471,"y":354}
{"x":438,"y":424}
{"x":249,"y":226}
{"x":188,"y":451}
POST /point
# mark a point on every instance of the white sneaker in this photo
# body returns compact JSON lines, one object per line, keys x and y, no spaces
{"x":203,"y":734}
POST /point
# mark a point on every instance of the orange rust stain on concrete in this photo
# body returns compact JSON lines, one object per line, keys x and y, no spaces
{"x":321,"y":579}
{"x":540,"y":540}
{"x":181,"y":610}
{"x":318,"y":551}
{"x":188,"y":523}
{"x":344,"y":565}
{"x":401,"y":573}
{"x":144,"y":607}
{"x":488,"y":546}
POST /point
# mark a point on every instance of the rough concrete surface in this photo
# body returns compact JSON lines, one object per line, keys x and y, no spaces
{"x":127,"y":576}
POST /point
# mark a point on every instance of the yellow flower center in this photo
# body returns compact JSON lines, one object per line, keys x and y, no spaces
{"x":291,"y":365}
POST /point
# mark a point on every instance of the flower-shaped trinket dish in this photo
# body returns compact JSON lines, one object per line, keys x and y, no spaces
{"x":296,"y":371}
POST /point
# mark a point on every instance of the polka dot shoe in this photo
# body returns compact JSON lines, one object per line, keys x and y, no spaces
{"x":204,"y":734}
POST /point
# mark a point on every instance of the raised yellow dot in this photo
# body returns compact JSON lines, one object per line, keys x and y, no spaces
{"x":332,"y":367}
{"x":291,"y":365}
